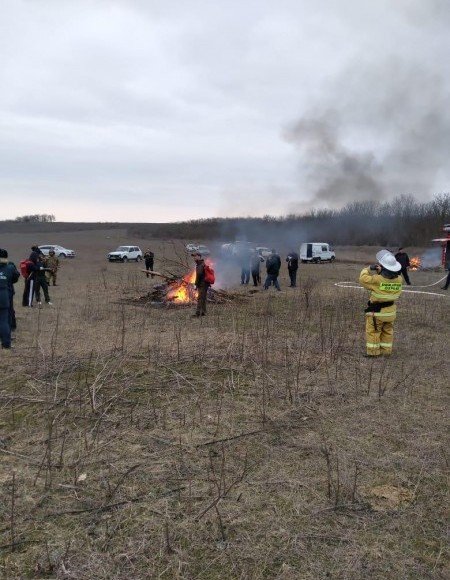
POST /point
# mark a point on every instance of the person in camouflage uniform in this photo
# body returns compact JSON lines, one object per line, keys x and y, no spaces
{"x":52,"y":263}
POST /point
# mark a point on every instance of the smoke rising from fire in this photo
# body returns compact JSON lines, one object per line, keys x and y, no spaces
{"x":381,"y":130}
{"x":431,"y":258}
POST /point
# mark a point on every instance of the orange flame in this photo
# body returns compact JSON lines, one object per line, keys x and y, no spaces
{"x":183,"y":292}
{"x":415,"y":263}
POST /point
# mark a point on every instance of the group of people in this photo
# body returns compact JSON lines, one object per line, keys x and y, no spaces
{"x":39,"y":272}
{"x":252,"y":260}
{"x":403,"y":259}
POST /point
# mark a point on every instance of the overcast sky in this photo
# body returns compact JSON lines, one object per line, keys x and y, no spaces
{"x":161,"y":110}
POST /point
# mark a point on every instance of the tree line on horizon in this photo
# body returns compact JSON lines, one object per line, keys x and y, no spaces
{"x":402,"y":221}
{"x":38,"y":218}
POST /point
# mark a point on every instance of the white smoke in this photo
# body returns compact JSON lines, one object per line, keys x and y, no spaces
{"x":431,"y":258}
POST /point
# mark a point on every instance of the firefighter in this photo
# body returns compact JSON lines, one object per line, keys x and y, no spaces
{"x":384,"y":282}
{"x":292,"y":263}
{"x":403,"y":259}
{"x":273,"y":265}
{"x":52,"y":263}
{"x":201,"y":285}
{"x":8,"y":276}
{"x":149,"y":258}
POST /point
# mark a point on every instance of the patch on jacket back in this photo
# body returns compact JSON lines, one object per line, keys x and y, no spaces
{"x":391,"y":286}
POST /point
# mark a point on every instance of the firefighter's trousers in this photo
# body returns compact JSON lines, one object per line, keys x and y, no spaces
{"x":379,"y":335}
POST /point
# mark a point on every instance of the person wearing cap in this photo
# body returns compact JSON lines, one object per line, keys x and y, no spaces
{"x":403,"y":259}
{"x":8,"y":276}
{"x":201,"y":284}
{"x":52,"y":263}
{"x":384,"y":282}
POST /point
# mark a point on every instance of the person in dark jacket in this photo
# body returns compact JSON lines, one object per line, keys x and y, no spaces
{"x":41,"y":282}
{"x":273,"y":265}
{"x":30,"y":280}
{"x":447,"y":265}
{"x":292,"y":264}
{"x":36,"y":254}
{"x":8,"y":276}
{"x":149,"y":258}
{"x":447,"y":282}
{"x":255,"y":266}
{"x":12,"y":312}
{"x":201,"y":285}
{"x":403,"y":259}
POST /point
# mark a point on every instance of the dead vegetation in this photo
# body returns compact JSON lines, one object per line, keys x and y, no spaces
{"x":256,"y":443}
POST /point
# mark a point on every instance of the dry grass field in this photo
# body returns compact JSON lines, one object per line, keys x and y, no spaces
{"x":255,"y":443}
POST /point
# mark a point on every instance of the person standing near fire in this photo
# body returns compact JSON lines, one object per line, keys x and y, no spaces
{"x":245,"y":256}
{"x":292,"y":264}
{"x":403,"y":259}
{"x":255,"y":265}
{"x":52,"y":263}
{"x":273,"y":265}
{"x":149,"y":258}
{"x":201,"y":284}
{"x":384,"y":282}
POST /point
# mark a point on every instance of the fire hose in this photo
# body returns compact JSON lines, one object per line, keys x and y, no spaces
{"x":358,"y":287}
{"x":433,"y":284}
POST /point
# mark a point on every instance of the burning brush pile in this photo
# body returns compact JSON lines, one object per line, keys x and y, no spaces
{"x":181,"y":291}
{"x":415,"y":264}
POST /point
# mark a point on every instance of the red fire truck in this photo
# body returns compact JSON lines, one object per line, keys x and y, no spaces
{"x":445,"y":244}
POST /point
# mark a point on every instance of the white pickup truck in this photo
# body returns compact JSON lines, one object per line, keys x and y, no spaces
{"x":316,"y":252}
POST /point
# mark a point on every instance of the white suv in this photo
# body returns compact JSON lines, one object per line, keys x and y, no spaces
{"x":125,"y":253}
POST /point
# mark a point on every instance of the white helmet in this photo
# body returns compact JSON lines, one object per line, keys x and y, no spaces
{"x":388,"y":261}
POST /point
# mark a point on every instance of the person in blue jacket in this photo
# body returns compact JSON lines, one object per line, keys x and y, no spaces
{"x":8,"y":276}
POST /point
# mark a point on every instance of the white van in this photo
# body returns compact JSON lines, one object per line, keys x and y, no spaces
{"x":316,"y":252}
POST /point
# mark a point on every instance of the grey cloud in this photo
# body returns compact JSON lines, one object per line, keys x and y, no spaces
{"x":189,"y":97}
